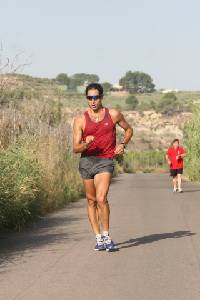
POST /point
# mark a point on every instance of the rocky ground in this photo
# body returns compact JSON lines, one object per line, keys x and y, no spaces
{"x":151,"y":130}
{"x":154,"y":130}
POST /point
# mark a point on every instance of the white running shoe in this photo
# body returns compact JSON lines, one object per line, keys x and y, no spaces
{"x":180,"y":190}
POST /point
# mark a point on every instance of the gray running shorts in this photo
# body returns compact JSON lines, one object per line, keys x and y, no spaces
{"x":90,"y":166}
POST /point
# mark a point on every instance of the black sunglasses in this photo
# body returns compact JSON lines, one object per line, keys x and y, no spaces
{"x":93,"y":97}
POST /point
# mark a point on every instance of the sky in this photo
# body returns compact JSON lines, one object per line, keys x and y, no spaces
{"x":107,"y":37}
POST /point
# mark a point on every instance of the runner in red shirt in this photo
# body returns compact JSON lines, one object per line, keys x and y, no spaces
{"x":174,"y":157}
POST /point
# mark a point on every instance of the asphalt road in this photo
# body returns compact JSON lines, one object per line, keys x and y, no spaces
{"x":157,"y":232}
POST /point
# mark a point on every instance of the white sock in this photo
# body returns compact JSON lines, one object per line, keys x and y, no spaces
{"x":98,"y":237}
{"x":105,"y":233}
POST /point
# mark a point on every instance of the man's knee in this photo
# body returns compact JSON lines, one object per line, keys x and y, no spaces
{"x":91,"y":200}
{"x":101,"y":200}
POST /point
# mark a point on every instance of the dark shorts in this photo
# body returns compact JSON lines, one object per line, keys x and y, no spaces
{"x":90,"y":166}
{"x":175,"y":172}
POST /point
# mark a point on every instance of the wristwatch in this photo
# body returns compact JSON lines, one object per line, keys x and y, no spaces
{"x":122,"y":143}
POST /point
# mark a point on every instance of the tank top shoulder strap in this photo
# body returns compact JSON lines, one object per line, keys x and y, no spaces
{"x":87,"y":121}
{"x":87,"y":118}
{"x":108,"y":114}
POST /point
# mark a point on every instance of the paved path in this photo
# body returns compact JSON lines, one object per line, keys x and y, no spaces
{"x":158,"y":234}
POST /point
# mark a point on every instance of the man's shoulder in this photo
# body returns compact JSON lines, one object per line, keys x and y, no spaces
{"x":79,"y":119}
{"x":114,"y":112}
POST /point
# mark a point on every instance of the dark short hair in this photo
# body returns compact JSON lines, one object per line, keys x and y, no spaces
{"x":174,"y":141}
{"x":94,"y":86}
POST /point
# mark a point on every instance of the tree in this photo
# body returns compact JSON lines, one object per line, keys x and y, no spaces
{"x":72,"y":86}
{"x":132,"y":102}
{"x":62,"y":78}
{"x":106,"y":87}
{"x":137,"y":82}
{"x":81,"y":78}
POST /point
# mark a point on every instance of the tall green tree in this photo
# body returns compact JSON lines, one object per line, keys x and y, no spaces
{"x":106,"y":86}
{"x":137,"y":82}
{"x":72,"y":86}
{"x":81,"y":78}
{"x":62,"y":78}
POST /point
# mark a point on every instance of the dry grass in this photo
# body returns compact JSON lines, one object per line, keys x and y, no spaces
{"x":38,"y":131}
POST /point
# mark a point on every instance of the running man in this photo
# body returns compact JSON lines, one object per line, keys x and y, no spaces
{"x":94,"y":136}
{"x":174,"y":157}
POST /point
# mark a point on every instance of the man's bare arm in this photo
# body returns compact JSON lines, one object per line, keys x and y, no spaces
{"x":127,"y":128}
{"x":119,"y":119}
{"x":78,"y":145}
{"x":167,"y":159}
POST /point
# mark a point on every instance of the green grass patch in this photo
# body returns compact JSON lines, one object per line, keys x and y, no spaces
{"x":144,"y":161}
{"x":192,"y":144}
{"x":21,"y":195}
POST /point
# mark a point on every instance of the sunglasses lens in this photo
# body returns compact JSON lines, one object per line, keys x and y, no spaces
{"x":92,"y":97}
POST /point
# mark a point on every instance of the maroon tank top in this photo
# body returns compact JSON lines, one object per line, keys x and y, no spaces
{"x":104,"y":133}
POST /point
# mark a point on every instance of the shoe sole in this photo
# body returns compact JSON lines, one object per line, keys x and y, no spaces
{"x":112,"y":250}
{"x":99,"y":249}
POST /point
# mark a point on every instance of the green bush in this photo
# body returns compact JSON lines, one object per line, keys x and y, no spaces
{"x":20,"y":188}
{"x":31,"y":186}
{"x":132,"y":102}
{"x":191,"y":141}
{"x":168,"y":104}
{"x":144,"y":106}
{"x":145,"y":161}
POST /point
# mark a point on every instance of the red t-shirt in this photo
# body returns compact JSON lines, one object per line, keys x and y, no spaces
{"x":172,"y":155}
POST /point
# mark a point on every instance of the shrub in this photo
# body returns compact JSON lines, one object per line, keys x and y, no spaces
{"x":168,"y":104}
{"x":145,"y":161}
{"x":191,"y":141}
{"x":20,"y":188}
{"x":132,"y":102}
{"x":144,"y":106}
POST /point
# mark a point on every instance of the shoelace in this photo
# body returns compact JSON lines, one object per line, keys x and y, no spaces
{"x":100,"y":242}
{"x":107,"y":239}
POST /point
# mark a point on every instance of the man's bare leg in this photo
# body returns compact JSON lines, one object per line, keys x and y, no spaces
{"x":102,"y":183}
{"x":92,"y":205}
{"x":175,"y":183}
{"x":179,"y":179}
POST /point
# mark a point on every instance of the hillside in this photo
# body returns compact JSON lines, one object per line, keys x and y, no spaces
{"x":153,"y":130}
